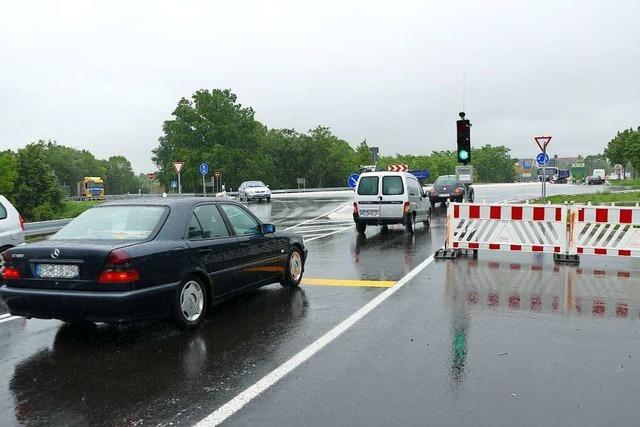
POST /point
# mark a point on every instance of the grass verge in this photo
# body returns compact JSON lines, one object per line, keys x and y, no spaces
{"x":594,"y":198}
{"x":72,"y":209}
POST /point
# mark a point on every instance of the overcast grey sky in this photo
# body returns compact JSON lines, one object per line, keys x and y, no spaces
{"x":104,"y":75}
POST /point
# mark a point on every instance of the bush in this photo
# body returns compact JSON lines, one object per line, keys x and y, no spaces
{"x":44,"y":212}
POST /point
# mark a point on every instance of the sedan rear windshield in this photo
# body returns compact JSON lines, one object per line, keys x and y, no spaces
{"x":3,"y":212}
{"x":113,"y":223}
{"x":446,"y":180}
{"x":368,"y":186}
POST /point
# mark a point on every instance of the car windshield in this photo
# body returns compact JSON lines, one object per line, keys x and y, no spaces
{"x":113,"y":223}
{"x":255,"y":184}
{"x":446,"y":180}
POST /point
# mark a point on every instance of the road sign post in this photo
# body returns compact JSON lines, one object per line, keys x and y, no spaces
{"x":218,"y":174}
{"x":204,"y":170}
{"x":178,"y":167}
{"x":542,"y":142}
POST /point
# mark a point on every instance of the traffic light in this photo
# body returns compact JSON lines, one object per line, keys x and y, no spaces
{"x":464,"y":140}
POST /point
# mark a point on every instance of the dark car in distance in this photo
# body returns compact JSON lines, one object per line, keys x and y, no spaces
{"x":447,"y":188}
{"x":134,"y":260}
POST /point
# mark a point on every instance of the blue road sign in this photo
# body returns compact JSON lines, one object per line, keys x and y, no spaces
{"x":542,"y":158}
{"x":421,"y":174}
{"x":352,"y":181}
{"x":204,"y":168}
{"x":174,"y":184}
{"x":527,"y":164}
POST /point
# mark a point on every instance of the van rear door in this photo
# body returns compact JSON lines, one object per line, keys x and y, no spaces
{"x":392,"y":196}
{"x":367,"y":196}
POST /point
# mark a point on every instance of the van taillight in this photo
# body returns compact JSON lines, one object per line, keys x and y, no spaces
{"x":118,"y":268}
{"x":407,"y":207}
{"x":21,"y":222}
{"x":355,"y":207}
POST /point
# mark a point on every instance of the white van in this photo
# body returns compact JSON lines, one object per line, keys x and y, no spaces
{"x":11,"y":226}
{"x":383,"y":198}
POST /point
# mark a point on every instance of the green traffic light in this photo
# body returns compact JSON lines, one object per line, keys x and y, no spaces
{"x":463,"y":155}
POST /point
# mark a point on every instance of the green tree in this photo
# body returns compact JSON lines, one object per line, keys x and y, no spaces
{"x":37,"y":193}
{"x":70,"y":165}
{"x":284,"y":147}
{"x":8,"y":173}
{"x":120,"y":178}
{"x":213,"y":127}
{"x":632,"y":148}
{"x":362,"y":156}
{"x":616,"y":150}
{"x":596,"y":161}
{"x":493,"y":164}
{"x":327,"y":158}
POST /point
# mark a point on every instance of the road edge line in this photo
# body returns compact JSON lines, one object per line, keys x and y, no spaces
{"x":234,"y":405}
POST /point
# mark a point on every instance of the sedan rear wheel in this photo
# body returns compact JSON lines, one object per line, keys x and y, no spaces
{"x":190,"y":303}
{"x":294,"y":269}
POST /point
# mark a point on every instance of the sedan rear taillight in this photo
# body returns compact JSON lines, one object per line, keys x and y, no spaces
{"x":10,"y":273}
{"x":118,"y":268}
{"x":21,"y":222}
{"x":407,"y":207}
{"x":355,"y":208}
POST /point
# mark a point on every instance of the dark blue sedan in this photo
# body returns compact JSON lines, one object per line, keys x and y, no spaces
{"x":126,"y":261}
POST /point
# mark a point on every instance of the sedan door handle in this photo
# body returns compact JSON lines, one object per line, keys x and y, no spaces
{"x":204,"y":251}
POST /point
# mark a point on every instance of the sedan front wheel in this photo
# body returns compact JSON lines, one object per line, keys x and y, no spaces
{"x":190,"y":303}
{"x":294,"y":269}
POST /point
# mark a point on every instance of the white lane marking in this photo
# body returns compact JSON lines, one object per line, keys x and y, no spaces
{"x":319,"y":216}
{"x":329,"y":234}
{"x":238,"y":402}
{"x":9,"y":319}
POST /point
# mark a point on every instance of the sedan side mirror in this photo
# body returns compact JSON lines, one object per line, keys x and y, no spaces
{"x":268,"y":228}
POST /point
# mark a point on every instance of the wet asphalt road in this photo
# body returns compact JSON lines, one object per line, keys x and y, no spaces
{"x":501,"y":340}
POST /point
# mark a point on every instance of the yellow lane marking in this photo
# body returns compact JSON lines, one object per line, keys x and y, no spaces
{"x":348,"y":282}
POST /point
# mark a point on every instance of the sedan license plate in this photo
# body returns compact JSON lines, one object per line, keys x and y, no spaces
{"x":369,"y":213}
{"x":57,"y":271}
{"x":444,"y":194}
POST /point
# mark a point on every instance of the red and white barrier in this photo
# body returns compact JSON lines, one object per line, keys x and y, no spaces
{"x":516,"y":228}
{"x":602,"y":230}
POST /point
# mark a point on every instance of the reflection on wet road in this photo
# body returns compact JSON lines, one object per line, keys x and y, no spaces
{"x":478,"y":342}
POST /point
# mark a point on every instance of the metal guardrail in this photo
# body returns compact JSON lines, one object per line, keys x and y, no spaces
{"x":229,"y":193}
{"x":43,"y":228}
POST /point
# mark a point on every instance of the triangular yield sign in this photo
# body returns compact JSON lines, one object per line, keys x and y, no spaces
{"x":542,"y":142}
{"x":178,"y":166}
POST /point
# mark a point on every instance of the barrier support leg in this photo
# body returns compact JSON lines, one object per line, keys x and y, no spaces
{"x":566,"y":259}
